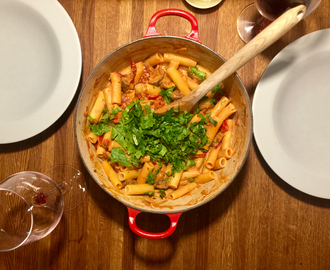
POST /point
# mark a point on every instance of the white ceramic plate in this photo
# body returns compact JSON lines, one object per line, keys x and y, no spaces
{"x":292,"y":114}
{"x":40,"y":68}
{"x":203,"y":4}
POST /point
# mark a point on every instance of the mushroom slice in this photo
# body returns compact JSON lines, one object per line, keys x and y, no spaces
{"x":176,"y":94}
{"x":161,"y":181}
{"x":157,"y":75}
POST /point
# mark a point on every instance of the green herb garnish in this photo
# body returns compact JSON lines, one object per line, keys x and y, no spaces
{"x":212,"y":121}
{"x":149,"y":193}
{"x":109,"y":116}
{"x":167,"y":94}
{"x":118,"y":154}
{"x":196,"y":72}
{"x":167,"y":137}
{"x":162,"y":193}
{"x":105,"y":122}
{"x":150,"y":178}
{"x":100,"y":129}
{"x":216,"y":90}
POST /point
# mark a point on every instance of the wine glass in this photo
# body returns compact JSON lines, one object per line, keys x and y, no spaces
{"x":71,"y":183}
{"x":256,"y":16}
{"x":32,"y":203}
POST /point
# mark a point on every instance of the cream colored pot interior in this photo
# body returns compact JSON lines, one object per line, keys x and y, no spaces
{"x":140,"y":50}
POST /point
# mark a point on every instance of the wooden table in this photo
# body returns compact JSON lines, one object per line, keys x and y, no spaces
{"x":259,"y":222}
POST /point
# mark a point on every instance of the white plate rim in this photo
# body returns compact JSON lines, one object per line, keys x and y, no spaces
{"x":262,"y":107}
{"x":68,"y":80}
{"x":203,"y":5}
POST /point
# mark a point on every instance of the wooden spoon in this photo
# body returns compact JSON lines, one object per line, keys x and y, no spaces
{"x":258,"y":44}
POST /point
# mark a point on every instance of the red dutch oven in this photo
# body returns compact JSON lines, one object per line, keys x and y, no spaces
{"x":139,"y":50}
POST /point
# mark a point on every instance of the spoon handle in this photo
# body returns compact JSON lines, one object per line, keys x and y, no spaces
{"x":258,"y":44}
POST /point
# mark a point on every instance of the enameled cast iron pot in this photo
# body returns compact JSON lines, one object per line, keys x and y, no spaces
{"x":139,"y":50}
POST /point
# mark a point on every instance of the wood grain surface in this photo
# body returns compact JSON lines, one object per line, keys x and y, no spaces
{"x":259,"y":222}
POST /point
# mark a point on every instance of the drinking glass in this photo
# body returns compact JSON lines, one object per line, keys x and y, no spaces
{"x":258,"y":15}
{"x":71,"y":183}
{"x":32,"y":203}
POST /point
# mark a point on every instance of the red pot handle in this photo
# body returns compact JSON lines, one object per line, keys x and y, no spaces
{"x":132,"y":213}
{"x":151,"y":32}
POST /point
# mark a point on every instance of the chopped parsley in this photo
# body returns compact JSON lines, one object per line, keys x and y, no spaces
{"x":149,"y":193}
{"x":212,"y":121}
{"x":150,"y":178}
{"x":216,"y":90}
{"x":118,"y":154}
{"x":196,"y":72}
{"x":105,"y":122}
{"x":91,"y":119}
{"x":167,"y":137}
{"x":100,"y":129}
{"x":167,"y":94}
{"x":109,"y":116}
{"x":190,"y":162}
{"x":162,"y":193}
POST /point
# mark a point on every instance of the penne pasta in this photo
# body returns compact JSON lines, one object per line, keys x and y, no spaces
{"x":199,"y":162}
{"x":195,"y":119}
{"x":182,"y":191}
{"x":226,"y":112}
{"x":139,"y":189}
{"x":92,"y":137}
{"x":206,"y":177}
{"x":222,"y":103}
{"x":143,"y":166}
{"x":128,"y":174}
{"x":107,"y":91}
{"x":213,"y":155}
{"x":139,"y":71}
{"x":106,"y":141}
{"x":227,"y":153}
{"x":178,"y":80}
{"x":116,"y":88}
{"x":101,"y":152}
{"x":227,"y":134}
{"x":183,"y":60}
{"x":112,"y":175}
{"x":145,"y":158}
{"x":98,"y":107}
{"x":114,"y":144}
{"x":152,"y":90}
{"x":220,"y":163}
{"x":126,"y":71}
{"x":212,"y":130}
{"x":206,"y":104}
{"x":191,"y":83}
{"x":205,"y":70}
{"x":147,"y":167}
{"x":175,"y":180}
{"x":192,"y":172}
{"x":154,"y":59}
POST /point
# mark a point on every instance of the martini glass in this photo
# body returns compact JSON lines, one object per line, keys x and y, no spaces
{"x":258,"y":15}
{"x":32,"y":203}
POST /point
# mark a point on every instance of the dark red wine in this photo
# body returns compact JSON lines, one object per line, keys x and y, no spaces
{"x":271,"y":9}
{"x":40,"y":199}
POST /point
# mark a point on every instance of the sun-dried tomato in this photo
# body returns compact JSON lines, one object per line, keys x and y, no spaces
{"x":115,"y":120}
{"x":153,"y":97}
{"x":100,"y":139}
{"x":224,"y":127}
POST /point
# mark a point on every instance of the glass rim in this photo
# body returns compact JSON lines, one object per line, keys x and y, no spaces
{"x":31,"y":215}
